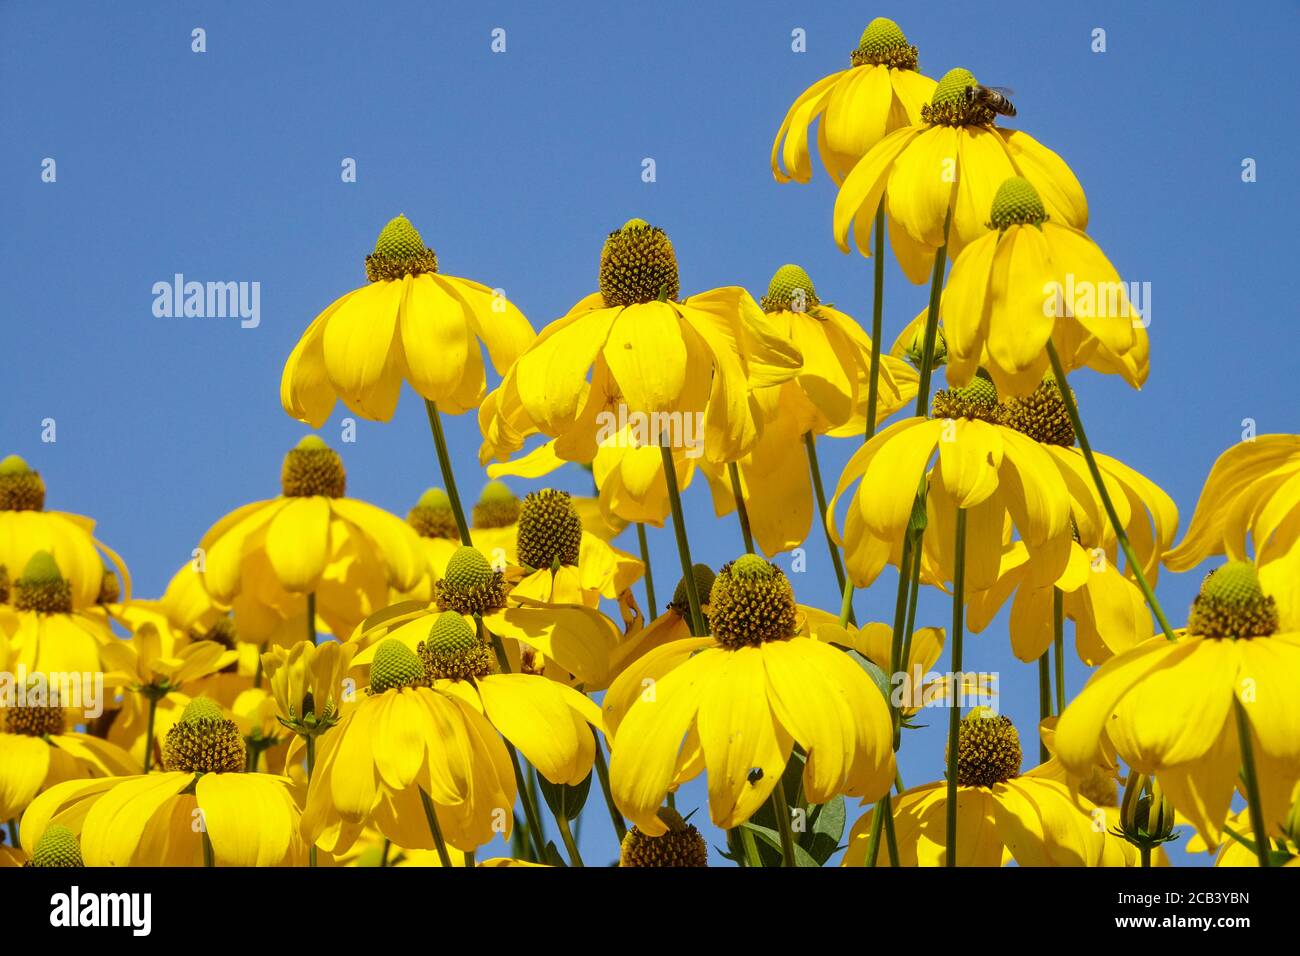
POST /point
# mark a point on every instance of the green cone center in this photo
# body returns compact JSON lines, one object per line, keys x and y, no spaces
{"x":399,"y":252}
{"x":638,"y":265}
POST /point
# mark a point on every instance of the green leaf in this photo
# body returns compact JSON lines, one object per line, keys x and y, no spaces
{"x":770,"y":839}
{"x":823,"y":838}
{"x":564,"y":800}
{"x":875,"y":672}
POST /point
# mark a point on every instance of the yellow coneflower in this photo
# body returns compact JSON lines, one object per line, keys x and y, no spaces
{"x":424,"y":767}
{"x":410,"y":323}
{"x":938,"y":178}
{"x":635,"y":344}
{"x":203,"y":808}
{"x":989,"y":471}
{"x":1032,"y":280}
{"x":880,"y":92}
{"x":26,"y":528}
{"x":1253,"y":491}
{"x":37,"y":748}
{"x":570,"y":642}
{"x":741,"y":699}
{"x":312,"y":540}
{"x":1197,"y":711}
{"x":999,"y":812}
{"x":46,"y":633}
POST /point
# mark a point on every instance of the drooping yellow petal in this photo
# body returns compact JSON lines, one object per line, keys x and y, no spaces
{"x":1080,"y":729}
{"x":306,"y":392}
{"x":923,"y":183}
{"x":251,"y":818}
{"x":538,"y":716}
{"x":358,"y":349}
{"x":745,"y":750}
{"x":644,"y":752}
{"x":297,"y":543}
{"x":114,"y":825}
{"x":865,"y":185}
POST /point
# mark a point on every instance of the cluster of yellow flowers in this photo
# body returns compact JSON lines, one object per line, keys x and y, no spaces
{"x":327,"y":684}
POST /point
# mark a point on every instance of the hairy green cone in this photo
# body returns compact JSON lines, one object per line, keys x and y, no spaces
{"x":682,"y":845}
{"x":751,"y":602}
{"x":395,"y":666}
{"x":453,"y":651}
{"x":497,"y":506}
{"x":42,"y":587}
{"x":204,"y":741}
{"x":884,"y":44}
{"x":57,"y":847}
{"x":21,"y":489}
{"x":432,"y":516}
{"x":1233,"y":605}
{"x":1016,"y":203}
{"x":399,"y":252}
{"x":638,"y":265}
{"x":952,"y":104}
{"x":1041,"y":415}
{"x":988,"y":749}
{"x":470,"y":585}
{"x":550,"y":531}
{"x":791,"y":290}
{"x":313,"y":468}
{"x":704,"y":578}
{"x":976,"y":400}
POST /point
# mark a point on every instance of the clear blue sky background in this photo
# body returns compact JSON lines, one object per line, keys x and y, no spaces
{"x":225,"y":166}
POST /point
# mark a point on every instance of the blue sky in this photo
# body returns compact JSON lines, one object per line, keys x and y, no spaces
{"x":226,"y":165}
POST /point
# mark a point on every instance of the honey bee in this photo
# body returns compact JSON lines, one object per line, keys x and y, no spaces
{"x":992,"y":97}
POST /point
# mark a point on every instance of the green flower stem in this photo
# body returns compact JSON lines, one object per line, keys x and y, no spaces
{"x":932,"y":321}
{"x":13,"y":833}
{"x":781,"y":810}
{"x":209,"y":857}
{"x":570,"y":844}
{"x":652,"y":608}
{"x":882,"y":821}
{"x":448,"y":476}
{"x":1145,"y":852}
{"x":877,"y":828}
{"x":810,"y":442}
{"x":846,"y":605}
{"x":1044,"y":700}
{"x":311,"y":618}
{"x":1251,"y":782}
{"x":909,"y":587}
{"x":877,"y":310}
{"x":1058,"y":644}
{"x":602,"y":774}
{"x":909,"y":629}
{"x":891,"y":841}
{"x":311,"y":768}
{"x":383,"y":856}
{"x":1134,"y":565}
{"x":431,"y":815}
{"x":683,"y":546}
{"x":470,"y":861}
{"x":954,"y":715}
{"x":530,"y":809}
{"x":148,"y":733}
{"x":742,"y":513}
